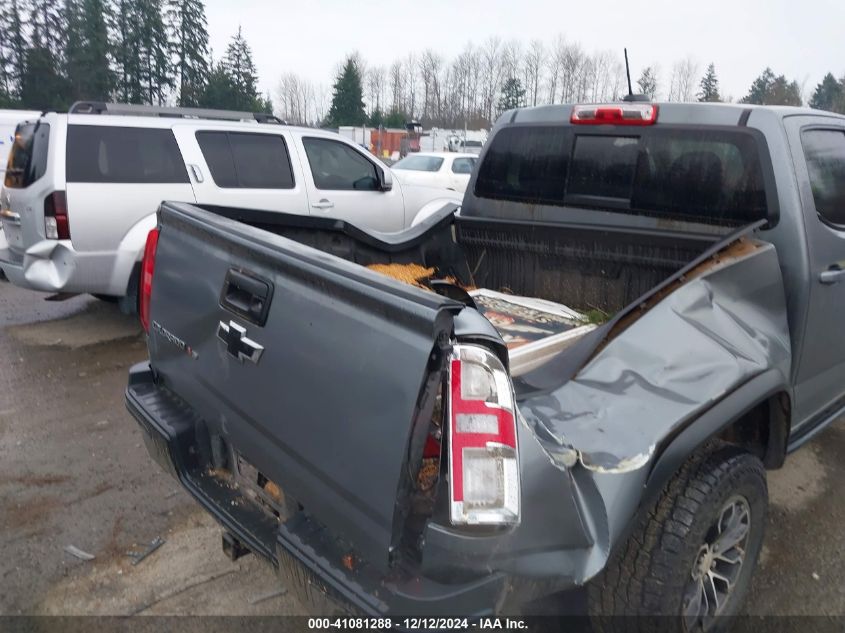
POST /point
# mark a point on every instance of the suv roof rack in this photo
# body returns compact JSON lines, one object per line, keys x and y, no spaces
{"x":100,"y":107}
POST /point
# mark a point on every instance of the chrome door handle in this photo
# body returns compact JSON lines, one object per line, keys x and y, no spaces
{"x":323,"y":204}
{"x":195,"y":170}
{"x":832,"y":275}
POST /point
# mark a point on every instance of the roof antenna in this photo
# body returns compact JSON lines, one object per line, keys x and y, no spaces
{"x":631,"y":97}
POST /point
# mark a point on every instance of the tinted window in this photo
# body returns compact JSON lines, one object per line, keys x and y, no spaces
{"x":825,"y":154}
{"x":217,"y":152}
{"x":419,"y":163}
{"x":28,"y":156}
{"x":336,"y":166}
{"x":463,"y":165}
{"x":123,"y":155}
{"x":603,"y":166}
{"x":696,"y":174}
{"x":247,"y":161}
{"x":526,"y":164}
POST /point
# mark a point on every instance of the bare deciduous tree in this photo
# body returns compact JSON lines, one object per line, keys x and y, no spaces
{"x":682,"y":85}
{"x":533,"y":70}
{"x":376,"y":81}
{"x":466,"y":89}
{"x":491,"y":75}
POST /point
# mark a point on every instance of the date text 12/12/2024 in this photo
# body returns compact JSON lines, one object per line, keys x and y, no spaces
{"x":417,"y":623}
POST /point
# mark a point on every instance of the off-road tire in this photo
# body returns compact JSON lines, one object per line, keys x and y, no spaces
{"x":642,"y":587}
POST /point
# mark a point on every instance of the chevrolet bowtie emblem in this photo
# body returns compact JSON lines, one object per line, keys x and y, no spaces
{"x":237,"y":344}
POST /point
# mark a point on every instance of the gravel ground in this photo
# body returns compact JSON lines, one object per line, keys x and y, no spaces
{"x":74,"y":471}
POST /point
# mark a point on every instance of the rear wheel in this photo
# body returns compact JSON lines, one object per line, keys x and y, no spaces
{"x":693,"y":556}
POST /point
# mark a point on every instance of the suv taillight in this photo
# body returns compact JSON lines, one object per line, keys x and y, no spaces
{"x":146,"y":285}
{"x":483,"y":463}
{"x":56,"y":225}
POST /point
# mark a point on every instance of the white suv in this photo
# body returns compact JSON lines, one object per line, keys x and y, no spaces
{"x":81,"y":189}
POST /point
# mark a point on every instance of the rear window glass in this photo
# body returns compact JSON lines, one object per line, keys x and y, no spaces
{"x":419,"y":163}
{"x":824,"y":151}
{"x":712,"y":176}
{"x":109,"y":154}
{"x":247,"y":161}
{"x":525,"y":164}
{"x":28,"y":156}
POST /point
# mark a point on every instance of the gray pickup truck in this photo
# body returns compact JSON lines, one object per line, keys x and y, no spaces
{"x":384,"y":443}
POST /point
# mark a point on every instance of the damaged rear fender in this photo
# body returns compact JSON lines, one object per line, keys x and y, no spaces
{"x":678,"y":374}
{"x":708,"y":426}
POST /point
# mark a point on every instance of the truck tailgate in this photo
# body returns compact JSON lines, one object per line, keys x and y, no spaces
{"x":320,"y":392}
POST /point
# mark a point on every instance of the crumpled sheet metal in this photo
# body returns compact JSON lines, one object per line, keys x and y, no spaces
{"x":700,"y":342}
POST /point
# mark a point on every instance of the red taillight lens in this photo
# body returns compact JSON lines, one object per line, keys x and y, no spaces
{"x":484,"y":481}
{"x":147,"y":271}
{"x":617,"y":114}
{"x":56,"y":224}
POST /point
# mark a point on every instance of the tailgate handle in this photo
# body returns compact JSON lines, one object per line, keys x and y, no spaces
{"x":247,"y":296}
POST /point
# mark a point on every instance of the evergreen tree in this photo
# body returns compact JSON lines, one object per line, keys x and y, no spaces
{"x":376,"y":118}
{"x":648,"y":82}
{"x":219,"y":90}
{"x":710,"y":86}
{"x":266,"y":104}
{"x":188,"y":29}
{"x":347,"y":97}
{"x":42,"y":83}
{"x":127,"y":51}
{"x":12,"y":47}
{"x":47,"y":26}
{"x":89,"y":50}
{"x":770,"y":89}
{"x":829,"y":95}
{"x":760,"y":88}
{"x":513,"y":95}
{"x":156,"y":74}
{"x":42,"y":86}
{"x":395,"y":119}
{"x":238,"y":65}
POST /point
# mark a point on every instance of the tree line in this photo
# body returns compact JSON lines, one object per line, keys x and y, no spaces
{"x":55,"y":52}
{"x":483,"y":81}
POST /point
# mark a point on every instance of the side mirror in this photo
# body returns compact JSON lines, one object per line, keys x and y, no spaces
{"x":385,"y":179}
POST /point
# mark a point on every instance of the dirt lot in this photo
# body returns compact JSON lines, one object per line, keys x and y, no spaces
{"x":74,"y":471}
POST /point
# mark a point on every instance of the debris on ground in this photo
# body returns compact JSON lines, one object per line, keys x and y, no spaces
{"x":78,"y":553}
{"x":137,"y":557}
{"x":413,"y":274}
{"x":266,"y":596}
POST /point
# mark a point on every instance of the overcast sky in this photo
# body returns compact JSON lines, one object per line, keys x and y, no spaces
{"x":802,"y":40}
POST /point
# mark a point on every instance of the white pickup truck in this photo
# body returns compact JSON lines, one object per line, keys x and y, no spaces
{"x":82,"y":188}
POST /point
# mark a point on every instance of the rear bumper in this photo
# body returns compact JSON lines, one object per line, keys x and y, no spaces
{"x":301,"y":550}
{"x":55,"y":266}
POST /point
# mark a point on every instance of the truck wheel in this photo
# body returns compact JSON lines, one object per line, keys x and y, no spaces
{"x":693,"y":555}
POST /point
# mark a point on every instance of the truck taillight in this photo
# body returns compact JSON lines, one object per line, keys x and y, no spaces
{"x":483,"y":461}
{"x":615,"y":114}
{"x":146,"y":285}
{"x":56,"y":225}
